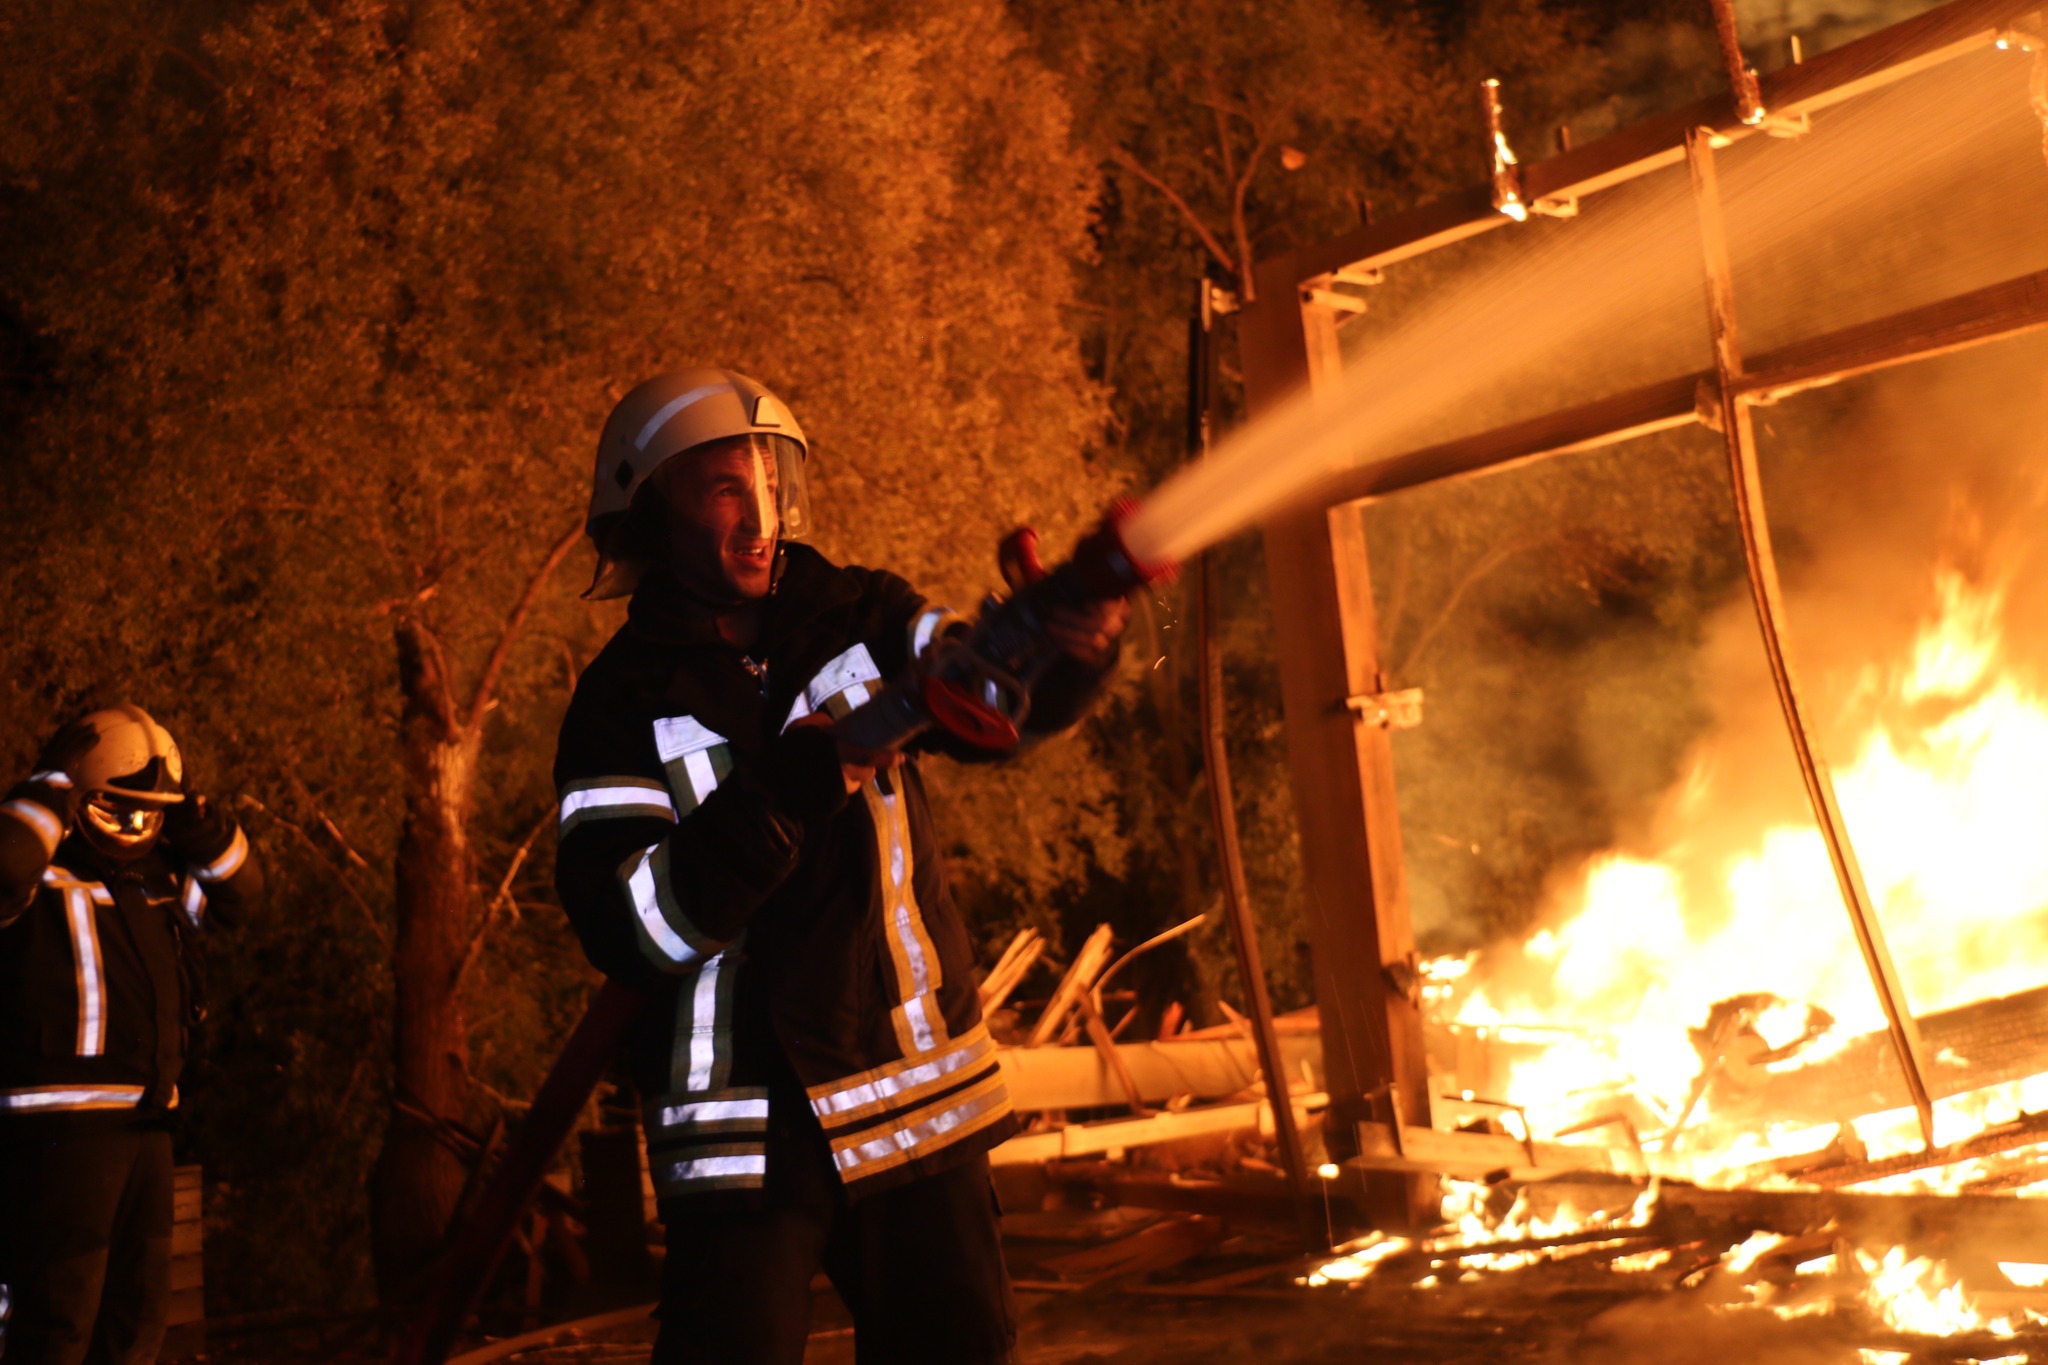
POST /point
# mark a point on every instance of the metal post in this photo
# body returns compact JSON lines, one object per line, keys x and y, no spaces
{"x":1740,"y":435}
{"x":1222,"y":800}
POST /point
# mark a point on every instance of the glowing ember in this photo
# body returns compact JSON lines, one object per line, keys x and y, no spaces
{"x":1357,"y":1260}
{"x":1918,"y":1295}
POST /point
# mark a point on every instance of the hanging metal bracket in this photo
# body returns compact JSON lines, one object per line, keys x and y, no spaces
{"x":1400,"y":710}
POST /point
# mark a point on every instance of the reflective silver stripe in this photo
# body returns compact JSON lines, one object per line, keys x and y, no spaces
{"x":899,"y":1143}
{"x":971,"y":1049}
{"x":91,"y":975}
{"x":613,"y":798}
{"x":71,"y":1097}
{"x":62,"y":879}
{"x":717,"y":1167}
{"x":671,"y":408}
{"x":713,"y":1111}
{"x":47,"y":827}
{"x":709,"y":1028}
{"x":228,"y":863}
{"x":838,"y":687}
{"x":194,"y":900}
{"x":695,"y":756}
{"x":927,"y":627}
{"x":53,"y":777}
{"x":645,"y":876}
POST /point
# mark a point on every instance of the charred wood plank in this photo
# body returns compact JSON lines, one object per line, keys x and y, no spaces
{"x":1995,"y":1227}
{"x":1985,"y":1043}
{"x":2028,"y":1131}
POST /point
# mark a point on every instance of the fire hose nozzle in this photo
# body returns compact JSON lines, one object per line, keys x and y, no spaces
{"x":1105,"y":563}
{"x":975,"y":685}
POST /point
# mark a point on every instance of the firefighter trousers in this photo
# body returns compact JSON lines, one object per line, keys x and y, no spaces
{"x":919,"y":1266}
{"x":85,"y":1238}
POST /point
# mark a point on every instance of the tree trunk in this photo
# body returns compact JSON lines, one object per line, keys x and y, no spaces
{"x":417,"y":1179}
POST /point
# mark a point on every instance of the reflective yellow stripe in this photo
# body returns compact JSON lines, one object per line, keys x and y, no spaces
{"x":919,"y":1025}
{"x":936,"y":1126}
{"x":701,"y":1059}
{"x":899,"y":1083}
{"x":666,"y":936}
{"x":838,"y":687}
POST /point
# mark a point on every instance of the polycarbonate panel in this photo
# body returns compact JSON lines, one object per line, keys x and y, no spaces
{"x":1911,"y":508}
{"x":1915,"y":192}
{"x":1554,"y":617}
{"x":1535,"y":316}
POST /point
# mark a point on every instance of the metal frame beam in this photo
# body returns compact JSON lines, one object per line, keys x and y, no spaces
{"x":1994,"y":313}
{"x":1879,"y":59}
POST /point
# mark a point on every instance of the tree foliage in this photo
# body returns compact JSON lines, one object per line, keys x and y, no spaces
{"x":326,"y":314}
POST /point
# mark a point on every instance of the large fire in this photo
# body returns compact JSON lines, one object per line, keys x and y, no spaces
{"x":1946,"y":798}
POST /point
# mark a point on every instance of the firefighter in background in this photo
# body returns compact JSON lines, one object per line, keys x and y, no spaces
{"x":820,"y":1090}
{"x":111,"y":874}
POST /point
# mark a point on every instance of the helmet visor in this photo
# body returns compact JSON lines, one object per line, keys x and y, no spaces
{"x":779,"y":462}
{"x":120,"y":826}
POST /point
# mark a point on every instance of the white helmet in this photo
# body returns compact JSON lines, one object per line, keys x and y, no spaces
{"x":667,"y":415}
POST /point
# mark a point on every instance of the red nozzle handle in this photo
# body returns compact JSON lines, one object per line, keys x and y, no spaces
{"x":1018,"y":558}
{"x":957,"y":713}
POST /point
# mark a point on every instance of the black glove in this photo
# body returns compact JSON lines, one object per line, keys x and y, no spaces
{"x":67,"y":748}
{"x":803,"y":772}
{"x":197,"y":830}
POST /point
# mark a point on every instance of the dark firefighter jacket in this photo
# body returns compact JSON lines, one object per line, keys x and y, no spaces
{"x":102,"y":963}
{"x":800,"y":945}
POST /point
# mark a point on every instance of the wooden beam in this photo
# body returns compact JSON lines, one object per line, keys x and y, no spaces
{"x":1109,"y":1135}
{"x":1995,"y":1227}
{"x":1987,"y":1042}
{"x":1474,"y":1156}
{"x":1855,"y":68}
{"x":1079,"y":1077}
{"x":1342,"y":768}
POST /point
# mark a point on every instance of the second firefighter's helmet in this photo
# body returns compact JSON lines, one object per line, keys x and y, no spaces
{"x":662,"y":418}
{"x":132,"y":759}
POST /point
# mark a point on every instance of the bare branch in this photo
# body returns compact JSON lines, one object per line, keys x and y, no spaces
{"x":305,"y":795}
{"x":1486,"y":564}
{"x":377,"y":928}
{"x":503,"y":896}
{"x":1240,"y":226}
{"x":487,"y":681}
{"x":1131,"y":164}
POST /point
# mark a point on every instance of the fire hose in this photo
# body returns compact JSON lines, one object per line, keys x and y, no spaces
{"x":973,"y":682}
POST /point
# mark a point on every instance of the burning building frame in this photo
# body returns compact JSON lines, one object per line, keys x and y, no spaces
{"x":1876,"y":209}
